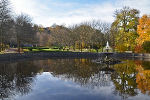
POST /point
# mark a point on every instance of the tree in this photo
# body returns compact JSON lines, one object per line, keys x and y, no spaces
{"x":126,"y":20}
{"x":143,"y":29}
{"x":82,"y":35}
{"x":73,"y":35}
{"x":23,"y":29}
{"x":40,"y":29}
{"x":103,"y":28}
{"x":59,"y":35}
{"x":84,"y":30}
{"x":146,"y":46}
{"x":113,"y":32}
{"x":5,"y":18}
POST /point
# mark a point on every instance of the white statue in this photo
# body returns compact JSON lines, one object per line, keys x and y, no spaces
{"x":107,"y":46}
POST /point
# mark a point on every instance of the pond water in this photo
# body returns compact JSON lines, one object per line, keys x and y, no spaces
{"x":74,"y":79}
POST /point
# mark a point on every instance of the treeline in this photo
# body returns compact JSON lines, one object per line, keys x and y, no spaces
{"x":128,"y":32}
{"x":90,"y":34}
{"x":14,"y":29}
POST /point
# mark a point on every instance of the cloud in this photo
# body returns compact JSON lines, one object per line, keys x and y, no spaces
{"x":142,"y":5}
{"x":48,"y":12}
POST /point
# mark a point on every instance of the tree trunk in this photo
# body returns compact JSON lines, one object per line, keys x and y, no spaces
{"x":69,"y":45}
{"x":102,"y":46}
{"x":0,"y":43}
{"x":18,"y":46}
{"x":18,"y":43}
{"x":92,"y":47}
{"x":74,"y":46}
{"x":81,"y":47}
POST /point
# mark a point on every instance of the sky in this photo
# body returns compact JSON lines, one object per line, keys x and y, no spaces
{"x":68,"y":12}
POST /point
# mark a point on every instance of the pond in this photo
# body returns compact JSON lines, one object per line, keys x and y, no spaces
{"x":74,"y":79}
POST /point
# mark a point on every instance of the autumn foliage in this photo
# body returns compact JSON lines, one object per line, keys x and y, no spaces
{"x":139,"y":49}
{"x":143,"y":29}
{"x":143,"y":80}
{"x":121,"y":48}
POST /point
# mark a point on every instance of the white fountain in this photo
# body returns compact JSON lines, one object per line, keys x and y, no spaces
{"x":107,"y":53}
{"x":107,"y":47}
{"x":107,"y":59}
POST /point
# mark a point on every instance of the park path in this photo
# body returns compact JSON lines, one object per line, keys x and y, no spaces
{"x":11,"y":50}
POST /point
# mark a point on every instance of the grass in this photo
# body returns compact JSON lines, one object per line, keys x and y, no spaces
{"x":53,"y":49}
{"x":56,"y":50}
{"x":44,"y":50}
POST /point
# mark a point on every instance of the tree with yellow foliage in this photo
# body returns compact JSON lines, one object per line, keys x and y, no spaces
{"x":126,"y":21}
{"x":143,"y":29}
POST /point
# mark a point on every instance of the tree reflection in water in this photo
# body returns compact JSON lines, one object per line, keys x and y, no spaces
{"x":79,"y":71}
{"x":143,"y":76}
{"x":16,"y":78}
{"x":127,"y":78}
{"x":88,"y":74}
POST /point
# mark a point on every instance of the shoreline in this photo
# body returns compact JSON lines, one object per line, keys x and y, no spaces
{"x":11,"y":56}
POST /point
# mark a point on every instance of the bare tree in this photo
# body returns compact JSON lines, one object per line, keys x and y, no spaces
{"x":82,"y":35}
{"x":5,"y":18}
{"x":73,"y":35}
{"x":23,"y":29}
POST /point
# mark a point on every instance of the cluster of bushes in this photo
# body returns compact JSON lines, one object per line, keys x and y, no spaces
{"x":60,"y":47}
{"x":144,"y":48}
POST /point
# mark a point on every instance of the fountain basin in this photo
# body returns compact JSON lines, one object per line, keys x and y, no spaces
{"x":107,"y":53}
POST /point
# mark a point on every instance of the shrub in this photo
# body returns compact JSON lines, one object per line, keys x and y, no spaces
{"x":24,"y":47}
{"x":139,"y":49}
{"x":30,"y":48}
{"x":55,"y":48}
{"x":121,"y":48}
{"x":61,"y":47}
{"x":42,"y":47}
{"x":146,"y":46}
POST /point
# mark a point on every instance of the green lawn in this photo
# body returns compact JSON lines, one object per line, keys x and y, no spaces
{"x":44,"y":50}
{"x":54,"y":49}
{"x":57,"y":50}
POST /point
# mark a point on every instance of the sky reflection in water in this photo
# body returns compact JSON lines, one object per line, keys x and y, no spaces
{"x":49,"y":87}
{"x":74,"y":79}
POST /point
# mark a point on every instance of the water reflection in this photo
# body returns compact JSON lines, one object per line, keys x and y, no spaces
{"x":16,"y":78}
{"x":126,"y":78}
{"x":79,"y":71}
{"x":143,"y":77}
